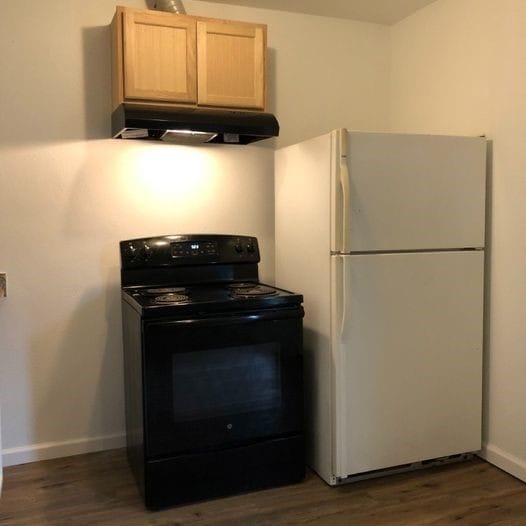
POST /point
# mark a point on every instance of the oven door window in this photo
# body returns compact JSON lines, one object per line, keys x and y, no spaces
{"x":216,"y":383}
{"x":227,"y":381}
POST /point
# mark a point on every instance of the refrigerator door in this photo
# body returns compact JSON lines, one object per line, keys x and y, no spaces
{"x":407,"y":192}
{"x":407,"y":348}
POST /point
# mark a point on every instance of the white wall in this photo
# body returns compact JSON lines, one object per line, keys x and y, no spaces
{"x":68,"y":195}
{"x":459,"y":67}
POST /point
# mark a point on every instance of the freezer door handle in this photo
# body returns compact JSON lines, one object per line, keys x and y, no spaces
{"x":345,"y":185}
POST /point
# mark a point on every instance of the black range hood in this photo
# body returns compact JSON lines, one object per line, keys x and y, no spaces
{"x":181,"y":125}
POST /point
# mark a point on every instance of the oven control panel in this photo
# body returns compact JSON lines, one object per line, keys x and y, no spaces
{"x":188,"y":250}
{"x":194,"y":248}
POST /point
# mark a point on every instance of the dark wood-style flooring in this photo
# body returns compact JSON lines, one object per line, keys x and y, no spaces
{"x":98,"y":489}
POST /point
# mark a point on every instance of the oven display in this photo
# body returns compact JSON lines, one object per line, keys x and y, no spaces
{"x":194,"y":248}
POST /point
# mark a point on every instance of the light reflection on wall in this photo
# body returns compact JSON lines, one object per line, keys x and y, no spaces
{"x":160,"y":177}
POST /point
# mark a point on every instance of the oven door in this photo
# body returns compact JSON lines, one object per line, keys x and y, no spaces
{"x":223,"y":381}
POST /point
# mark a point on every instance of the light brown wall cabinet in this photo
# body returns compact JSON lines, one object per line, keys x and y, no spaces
{"x":168,"y":59}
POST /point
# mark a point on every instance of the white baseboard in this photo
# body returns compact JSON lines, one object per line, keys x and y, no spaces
{"x":507,"y":462}
{"x":48,"y":450}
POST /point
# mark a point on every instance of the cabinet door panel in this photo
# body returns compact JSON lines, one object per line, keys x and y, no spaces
{"x":159,"y":57}
{"x":231,"y":64}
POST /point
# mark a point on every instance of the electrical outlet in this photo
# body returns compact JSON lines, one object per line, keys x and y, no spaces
{"x":3,"y":285}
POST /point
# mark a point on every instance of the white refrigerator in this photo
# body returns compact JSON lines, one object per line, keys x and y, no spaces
{"x":383,"y":234}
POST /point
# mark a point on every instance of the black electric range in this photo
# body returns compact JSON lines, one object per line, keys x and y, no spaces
{"x":213,"y":369}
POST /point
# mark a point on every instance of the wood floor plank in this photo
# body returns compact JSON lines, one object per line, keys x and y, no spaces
{"x":98,"y":489}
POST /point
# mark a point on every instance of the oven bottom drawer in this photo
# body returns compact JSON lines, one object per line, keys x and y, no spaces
{"x":187,"y":478}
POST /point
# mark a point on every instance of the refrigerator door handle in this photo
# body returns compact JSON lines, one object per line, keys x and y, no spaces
{"x":345,"y":300}
{"x":345,"y":184}
{"x":342,"y":311}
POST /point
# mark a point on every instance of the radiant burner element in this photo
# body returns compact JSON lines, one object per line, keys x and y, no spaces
{"x":253,"y":290}
{"x":171,"y":298}
{"x":242,"y":285}
{"x":166,"y":290}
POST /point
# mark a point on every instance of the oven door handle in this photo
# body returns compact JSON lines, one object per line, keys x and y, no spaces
{"x":237,"y":319}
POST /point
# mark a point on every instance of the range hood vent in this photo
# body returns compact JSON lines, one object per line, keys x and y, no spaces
{"x":192,"y":125}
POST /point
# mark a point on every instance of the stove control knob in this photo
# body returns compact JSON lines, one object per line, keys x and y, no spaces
{"x":238,"y":248}
{"x":131,"y":252}
{"x":251,"y":248}
{"x":146,"y":252}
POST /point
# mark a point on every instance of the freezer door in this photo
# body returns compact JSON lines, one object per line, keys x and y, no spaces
{"x":407,"y":353}
{"x":412,"y":192}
